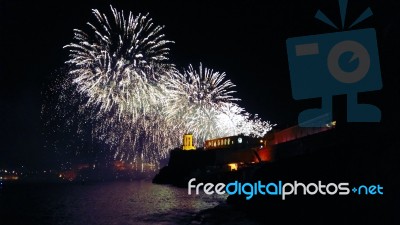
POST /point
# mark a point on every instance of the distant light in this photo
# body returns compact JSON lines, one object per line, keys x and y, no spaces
{"x":331,"y":124}
{"x":6,"y":171}
{"x":239,"y":140}
{"x":233,"y":166}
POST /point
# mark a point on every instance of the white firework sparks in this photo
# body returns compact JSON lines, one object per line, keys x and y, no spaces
{"x":117,"y":64}
{"x":121,"y":83}
{"x":115,"y":68}
{"x":200,"y":102}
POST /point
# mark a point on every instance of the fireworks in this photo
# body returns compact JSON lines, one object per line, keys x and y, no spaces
{"x":121,"y":83}
{"x":117,"y":63}
{"x":200,"y":102}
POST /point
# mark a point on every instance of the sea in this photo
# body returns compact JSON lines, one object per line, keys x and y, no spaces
{"x":104,"y":203}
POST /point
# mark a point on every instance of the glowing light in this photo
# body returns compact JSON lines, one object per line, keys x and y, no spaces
{"x":200,"y":102}
{"x":331,"y":124}
{"x":233,"y":166}
{"x":121,"y":87}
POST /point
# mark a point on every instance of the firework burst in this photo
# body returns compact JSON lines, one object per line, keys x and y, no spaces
{"x":201,"y":102}
{"x":115,"y":70}
{"x":121,"y":83}
{"x":117,"y":63}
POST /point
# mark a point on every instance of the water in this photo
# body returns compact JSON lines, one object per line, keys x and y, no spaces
{"x":113,"y":203}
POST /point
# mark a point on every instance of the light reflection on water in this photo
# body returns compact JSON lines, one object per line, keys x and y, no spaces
{"x":136,"y":202}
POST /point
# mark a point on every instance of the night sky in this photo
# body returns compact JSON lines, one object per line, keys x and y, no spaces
{"x":246,"y":40}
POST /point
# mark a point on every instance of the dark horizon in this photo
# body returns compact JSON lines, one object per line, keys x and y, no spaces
{"x":245,"y":40}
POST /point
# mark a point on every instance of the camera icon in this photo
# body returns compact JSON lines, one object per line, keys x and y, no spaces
{"x":331,"y":64}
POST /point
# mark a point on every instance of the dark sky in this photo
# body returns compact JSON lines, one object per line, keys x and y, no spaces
{"x":246,"y":40}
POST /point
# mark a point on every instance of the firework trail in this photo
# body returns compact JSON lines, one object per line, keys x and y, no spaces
{"x":121,"y":83}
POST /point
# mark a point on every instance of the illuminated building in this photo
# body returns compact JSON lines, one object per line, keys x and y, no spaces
{"x":188,"y":142}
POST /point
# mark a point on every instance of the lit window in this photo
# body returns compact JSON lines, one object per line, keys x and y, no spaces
{"x":240,"y":140}
{"x":233,"y":166}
